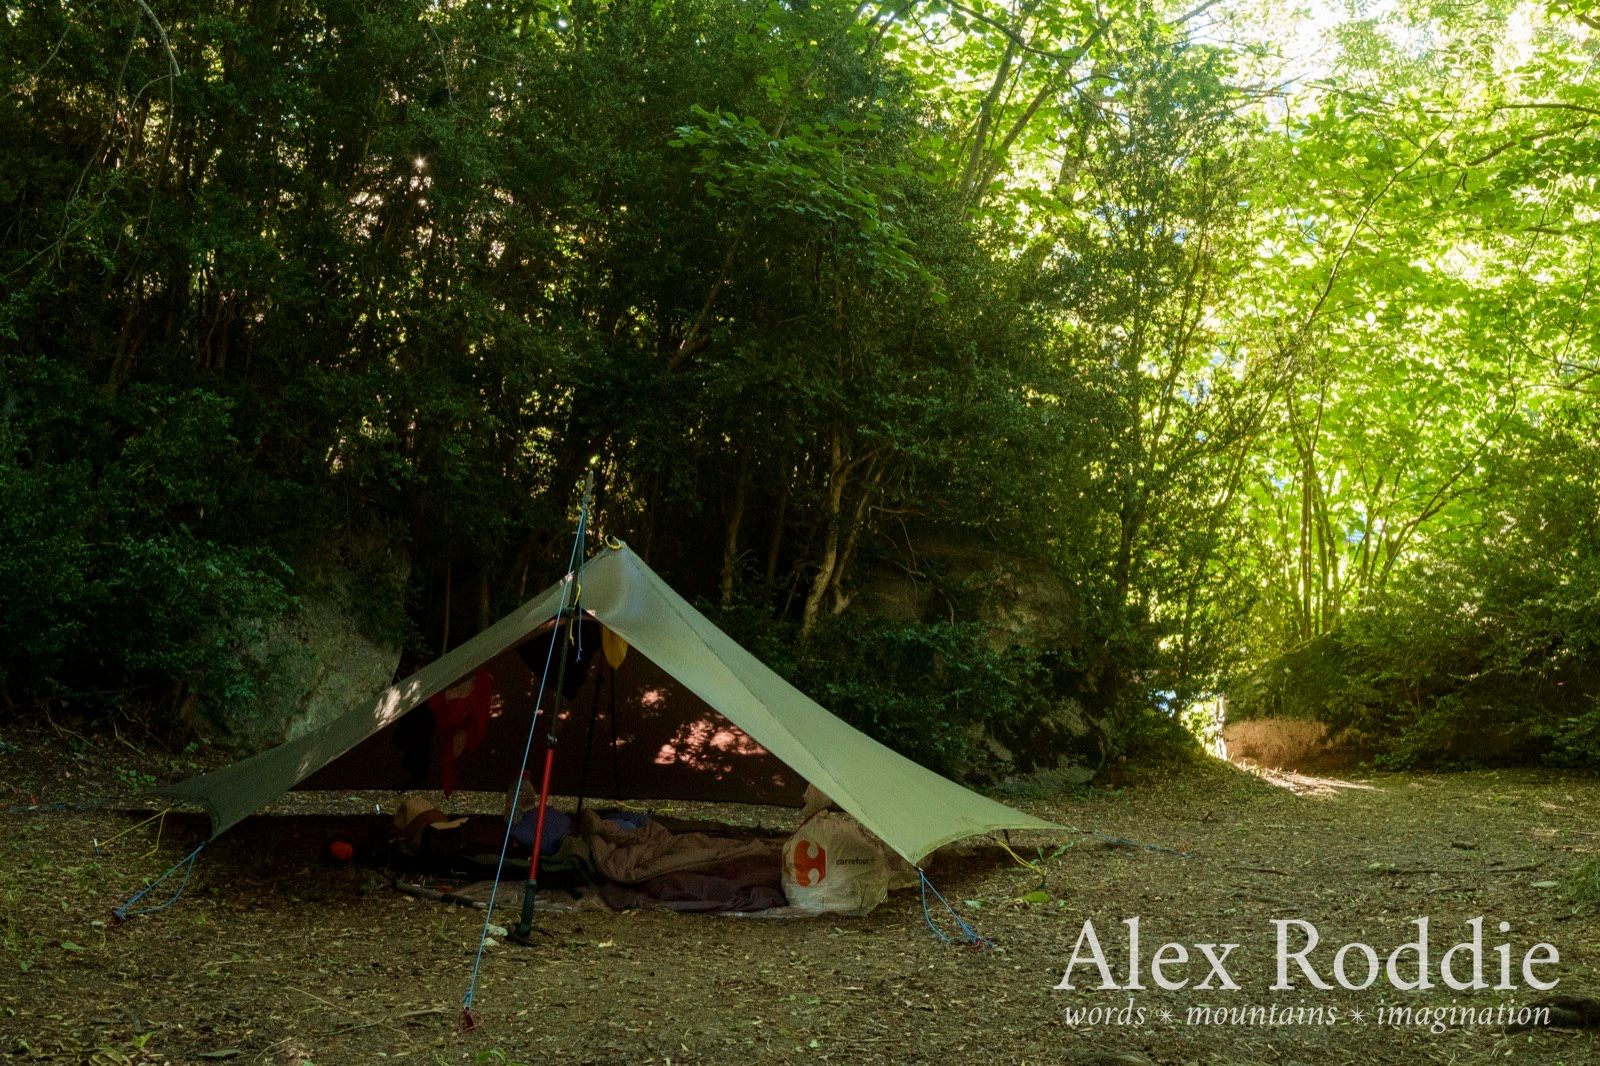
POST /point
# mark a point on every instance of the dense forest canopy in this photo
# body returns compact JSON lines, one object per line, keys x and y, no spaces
{"x":1256,"y":343}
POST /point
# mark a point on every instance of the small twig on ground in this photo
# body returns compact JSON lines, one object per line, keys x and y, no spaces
{"x":327,"y":1002}
{"x":402,"y":1016}
{"x":116,"y":731}
{"x":363,"y":1023}
{"x":61,"y":731}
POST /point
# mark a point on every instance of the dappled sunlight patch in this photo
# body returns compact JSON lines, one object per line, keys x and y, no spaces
{"x":1307,"y":785}
{"x":1295,"y":744}
{"x":707,"y":744}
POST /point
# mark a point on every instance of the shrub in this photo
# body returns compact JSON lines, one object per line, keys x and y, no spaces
{"x":126,"y":579}
{"x":1484,"y":650}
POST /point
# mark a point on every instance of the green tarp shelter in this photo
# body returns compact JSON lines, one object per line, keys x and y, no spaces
{"x":687,"y":714}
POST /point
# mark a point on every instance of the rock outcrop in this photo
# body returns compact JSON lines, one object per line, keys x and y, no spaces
{"x":328,"y":654}
{"x":961,"y":575}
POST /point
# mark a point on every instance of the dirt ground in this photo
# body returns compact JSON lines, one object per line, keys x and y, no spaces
{"x":275,"y":955}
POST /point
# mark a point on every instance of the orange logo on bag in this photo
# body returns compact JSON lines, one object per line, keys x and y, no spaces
{"x":816,"y":862}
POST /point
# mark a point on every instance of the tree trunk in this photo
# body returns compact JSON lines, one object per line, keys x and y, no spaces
{"x":838,"y":476}
{"x":775,"y":542}
{"x":858,"y":522}
{"x":444,"y":636}
{"x":730,"y":543}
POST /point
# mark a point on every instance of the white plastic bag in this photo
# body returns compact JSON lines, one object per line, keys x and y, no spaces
{"x":833,"y":866}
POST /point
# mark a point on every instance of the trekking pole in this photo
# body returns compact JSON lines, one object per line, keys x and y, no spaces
{"x":523,"y":933}
{"x":469,"y":1019}
{"x":530,"y":888}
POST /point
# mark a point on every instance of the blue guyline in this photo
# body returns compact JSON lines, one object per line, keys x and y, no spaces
{"x":970,"y":934}
{"x":126,"y":911}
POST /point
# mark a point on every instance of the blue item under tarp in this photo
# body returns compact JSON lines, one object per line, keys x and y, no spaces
{"x":557,"y":827}
{"x":626,"y":819}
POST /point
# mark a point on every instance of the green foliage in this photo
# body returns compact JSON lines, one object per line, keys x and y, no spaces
{"x":1583,"y":885}
{"x":812,"y":171}
{"x":279,"y":281}
{"x":1421,"y":516}
{"x":123,"y":567}
{"x":496,"y":1057}
{"x":1153,"y":735}
{"x":1301,"y":378}
{"x":1486,"y":650}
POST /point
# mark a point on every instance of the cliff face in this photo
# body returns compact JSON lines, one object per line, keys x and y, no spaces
{"x":960,"y":575}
